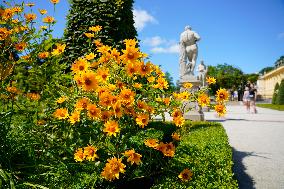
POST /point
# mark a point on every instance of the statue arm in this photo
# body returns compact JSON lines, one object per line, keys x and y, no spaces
{"x":197,"y":37}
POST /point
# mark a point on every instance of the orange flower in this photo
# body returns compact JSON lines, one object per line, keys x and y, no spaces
{"x":48,"y":19}
{"x":220,"y":109}
{"x":130,"y":42}
{"x":89,"y":80}
{"x":93,"y":111}
{"x":105,"y":99}
{"x":4,"y":33}
{"x":185,"y":175}
{"x":79,"y":66}
{"x":203,"y":100}
{"x":131,"y":69}
{"x":74,"y":117}
{"x":152,"y":143}
{"x":30,"y":17}
{"x":54,"y":1}
{"x":82,"y":103}
{"x":61,"y":99}
{"x":130,"y":54}
{"x":105,"y":115}
{"x":95,"y":28}
{"x":187,"y":85}
{"x":33,"y":96}
{"x":151,"y":79}
{"x":178,"y":121}
{"x":17,"y":9}
{"x":79,"y":155}
{"x":144,"y":69}
{"x":176,"y":136}
{"x":176,"y":113}
{"x":90,"y":153}
{"x":113,"y":167}
{"x":111,"y":128}
{"x":59,"y":49}
{"x":43,"y":55}
{"x":127,"y":96}
{"x":21,"y":46}
{"x":167,"y":149}
{"x":90,"y":56}
{"x":141,"y":105}
{"x":142,"y":120}
{"x":167,"y":101}
{"x":30,"y":4}
{"x":211,"y":80}
{"x":117,"y":110}
{"x":133,"y":157}
{"x":102,"y":74}
{"x":222,"y":95}
{"x":61,"y":113}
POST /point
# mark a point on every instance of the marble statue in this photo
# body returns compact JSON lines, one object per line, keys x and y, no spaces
{"x":188,"y":51}
{"x":202,"y":71}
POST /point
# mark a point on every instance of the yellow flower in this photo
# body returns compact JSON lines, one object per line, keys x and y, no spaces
{"x":93,"y":111}
{"x":144,"y":69}
{"x":61,"y":99}
{"x":152,"y":143}
{"x":105,"y":115}
{"x":95,"y":28}
{"x":185,"y":175}
{"x":162,"y":83}
{"x":111,"y":128}
{"x":167,"y":149}
{"x":176,"y":136}
{"x":113,"y":167}
{"x":90,"y":56}
{"x":4,"y":33}
{"x":15,"y":21}
{"x":137,"y":85}
{"x":54,"y":1}
{"x":220,"y":109}
{"x":43,"y":27}
{"x":131,"y":69}
{"x":82,"y":104}
{"x":142,"y":120}
{"x":30,"y":17}
{"x":33,"y":96}
{"x":89,"y":35}
{"x":42,"y":11}
{"x":176,"y":113}
{"x":211,"y":80}
{"x":151,"y":79}
{"x":203,"y":100}
{"x":130,"y":42}
{"x":167,"y":101}
{"x":79,"y":155}
{"x":133,"y":157}
{"x":117,"y":110}
{"x":90,"y":153}
{"x":130,"y":54}
{"x":79,"y":66}
{"x":21,"y":46}
{"x":30,"y":4}
{"x":105,"y":99}
{"x":141,"y":105}
{"x":48,"y":19}
{"x":127,"y":96}
{"x":17,"y":9}
{"x":74,"y":117}
{"x":178,"y":121}
{"x":59,"y":49}
{"x":89,"y":80}
{"x":61,"y":113}
{"x":222,"y":95}
{"x":43,"y":55}
{"x":98,"y":43}
{"x":187,"y":85}
{"x":103,"y":74}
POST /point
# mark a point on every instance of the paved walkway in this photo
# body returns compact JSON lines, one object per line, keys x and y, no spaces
{"x":258,"y":146}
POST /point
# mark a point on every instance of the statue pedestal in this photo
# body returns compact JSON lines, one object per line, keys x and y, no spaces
{"x":195,"y":113}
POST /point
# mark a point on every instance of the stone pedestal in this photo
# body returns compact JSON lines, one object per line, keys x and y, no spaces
{"x":195,"y":114}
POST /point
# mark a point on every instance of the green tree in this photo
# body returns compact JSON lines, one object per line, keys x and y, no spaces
{"x":116,"y":18}
{"x":266,"y":70}
{"x":170,"y":81}
{"x":275,"y":93}
{"x":280,"y":94}
{"x":227,"y":76}
{"x":252,"y":78}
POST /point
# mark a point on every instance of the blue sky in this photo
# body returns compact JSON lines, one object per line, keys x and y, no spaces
{"x":248,"y":34}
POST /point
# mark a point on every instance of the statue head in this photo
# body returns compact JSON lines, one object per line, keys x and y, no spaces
{"x":202,"y":62}
{"x":187,"y":27}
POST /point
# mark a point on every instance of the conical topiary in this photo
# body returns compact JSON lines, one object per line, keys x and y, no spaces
{"x":274,"y":97}
{"x":280,"y":95}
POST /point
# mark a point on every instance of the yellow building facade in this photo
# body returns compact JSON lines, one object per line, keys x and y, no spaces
{"x":267,"y":82}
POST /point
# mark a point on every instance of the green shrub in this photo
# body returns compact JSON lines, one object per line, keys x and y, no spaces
{"x":280,"y":94}
{"x":274,"y":97}
{"x":206,"y":151}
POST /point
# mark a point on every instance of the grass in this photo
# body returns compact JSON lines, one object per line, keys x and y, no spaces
{"x":272,"y":106}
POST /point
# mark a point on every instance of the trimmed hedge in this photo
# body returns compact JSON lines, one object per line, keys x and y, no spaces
{"x":280,"y":94}
{"x":274,"y":97}
{"x":206,"y":151}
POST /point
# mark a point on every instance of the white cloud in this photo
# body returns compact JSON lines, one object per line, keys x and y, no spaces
{"x":142,"y":18}
{"x":154,"y":41}
{"x":281,"y":35}
{"x":171,"y":49}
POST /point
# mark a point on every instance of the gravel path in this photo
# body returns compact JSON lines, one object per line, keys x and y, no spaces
{"x":258,"y":146}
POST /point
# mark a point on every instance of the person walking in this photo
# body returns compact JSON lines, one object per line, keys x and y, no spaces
{"x":252,"y":96}
{"x":246,"y":99}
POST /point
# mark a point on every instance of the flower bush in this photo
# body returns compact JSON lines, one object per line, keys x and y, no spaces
{"x":93,"y":123}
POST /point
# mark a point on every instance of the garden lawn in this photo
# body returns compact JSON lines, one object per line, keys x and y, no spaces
{"x":205,"y":150}
{"x":272,"y":106}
